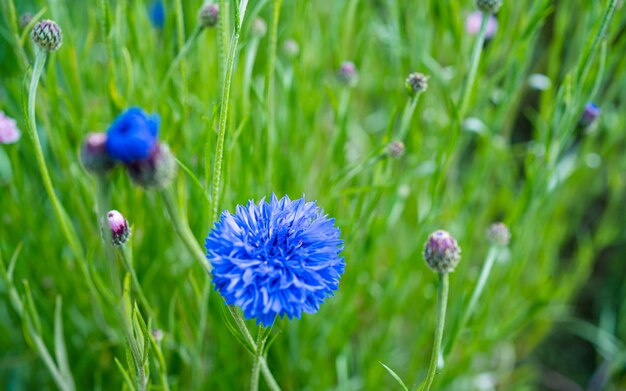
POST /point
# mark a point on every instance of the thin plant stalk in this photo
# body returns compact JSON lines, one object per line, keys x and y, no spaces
{"x":474,"y":61}
{"x":409,"y":109}
{"x":256,"y":365}
{"x":221,"y":135}
{"x":271,"y":87}
{"x":66,"y":227}
{"x":478,"y":290}
{"x":182,"y":230}
{"x":442,"y":302}
{"x":181,"y":54}
{"x":128,"y":265}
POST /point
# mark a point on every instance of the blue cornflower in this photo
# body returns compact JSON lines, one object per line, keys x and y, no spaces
{"x":589,"y":115}
{"x":276,"y":258}
{"x":133,"y":135}
{"x":156,"y":13}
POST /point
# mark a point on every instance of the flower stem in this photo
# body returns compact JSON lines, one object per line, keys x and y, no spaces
{"x":128,"y":265}
{"x":475,"y":60}
{"x":66,"y":227}
{"x":409,"y":109}
{"x":442,"y":301}
{"x":271,"y":87}
{"x":256,"y":365}
{"x":181,"y":54}
{"x":267,"y":375}
{"x":221,"y":136}
{"x":478,"y":290}
{"x":182,"y":230}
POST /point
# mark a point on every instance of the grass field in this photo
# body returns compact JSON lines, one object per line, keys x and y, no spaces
{"x":261,"y":107}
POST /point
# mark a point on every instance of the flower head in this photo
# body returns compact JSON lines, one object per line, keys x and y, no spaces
{"x":348,"y":74}
{"x":499,"y":234}
{"x":9,"y":133}
{"x":93,"y":154}
{"x":441,"y":252}
{"x":416,"y":83}
{"x":277,"y":258}
{"x":474,"y":20}
{"x":133,"y":135}
{"x":259,"y":27}
{"x":589,"y":115}
{"x":47,"y":35}
{"x":156,"y":171}
{"x":395,"y":149}
{"x":208,"y":14}
{"x":489,"y":6}
{"x":120,"y":231}
{"x":156,"y":13}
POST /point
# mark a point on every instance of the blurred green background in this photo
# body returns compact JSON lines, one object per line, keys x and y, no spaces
{"x":553,"y":314}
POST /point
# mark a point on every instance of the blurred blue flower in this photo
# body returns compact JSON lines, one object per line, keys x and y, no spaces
{"x":276,"y":258}
{"x":589,"y":115}
{"x":132,"y":136}
{"x":156,"y":12}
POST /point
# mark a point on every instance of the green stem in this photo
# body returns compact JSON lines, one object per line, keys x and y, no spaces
{"x":478,"y":290}
{"x":271,"y":88}
{"x":181,"y":54}
{"x":267,"y":375}
{"x":604,"y":25}
{"x":258,"y":351}
{"x":183,"y":231}
{"x":475,"y":60}
{"x":221,"y":136}
{"x":442,"y":301}
{"x":66,"y":228}
{"x":256,"y":365}
{"x":128,"y":265}
{"x":409,"y":109}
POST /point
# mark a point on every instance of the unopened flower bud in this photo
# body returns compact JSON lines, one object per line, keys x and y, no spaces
{"x":441,"y":252}
{"x":156,"y":171}
{"x":590,"y":115}
{"x":499,"y":234}
{"x":259,"y":27}
{"x":489,"y":6}
{"x":93,"y":154}
{"x":9,"y":133}
{"x":25,"y":19}
{"x":120,"y":230}
{"x":395,"y":149}
{"x":474,"y":21}
{"x":348,"y":74}
{"x":47,"y":35}
{"x":416,"y":83}
{"x":208,"y":15}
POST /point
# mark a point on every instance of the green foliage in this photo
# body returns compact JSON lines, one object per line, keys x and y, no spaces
{"x":524,"y":161}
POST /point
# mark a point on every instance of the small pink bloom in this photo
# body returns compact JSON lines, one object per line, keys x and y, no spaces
{"x":9,"y":133}
{"x":473,"y":21}
{"x":120,"y":232}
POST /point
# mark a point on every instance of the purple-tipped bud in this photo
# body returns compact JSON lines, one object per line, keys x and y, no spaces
{"x":157,"y":171}
{"x":395,"y":149}
{"x":119,"y":228}
{"x":441,"y":252}
{"x":489,"y":6}
{"x":590,"y":115}
{"x":25,"y":19}
{"x":474,"y":20}
{"x":259,"y":27}
{"x":9,"y":133}
{"x":347,"y":74}
{"x":208,"y":14}
{"x":47,"y":35}
{"x":499,"y":234}
{"x":93,"y":154}
{"x":416,"y":83}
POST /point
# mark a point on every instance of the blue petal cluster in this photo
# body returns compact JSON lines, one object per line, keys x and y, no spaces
{"x":132,"y":136}
{"x":276,"y":258}
{"x":156,"y":12}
